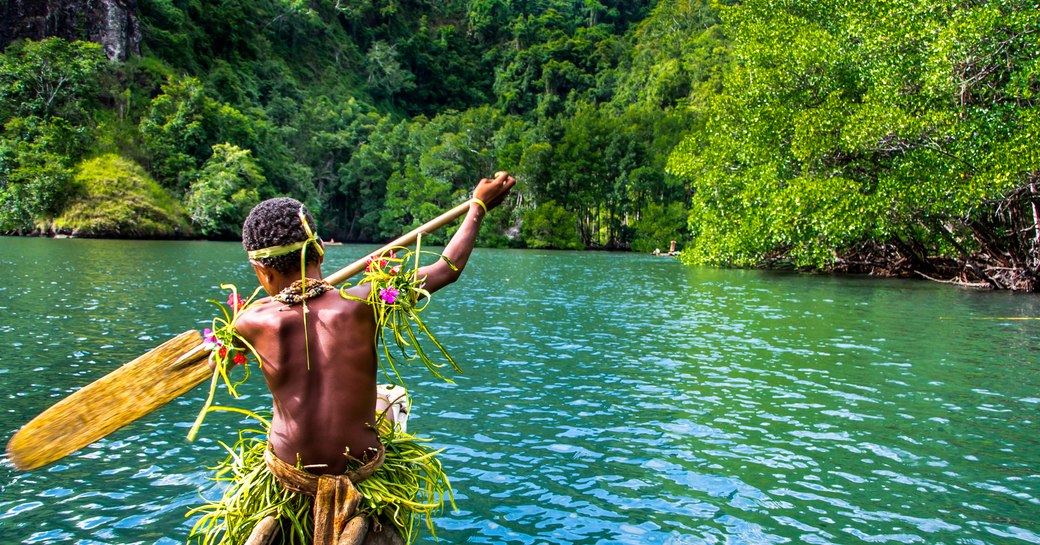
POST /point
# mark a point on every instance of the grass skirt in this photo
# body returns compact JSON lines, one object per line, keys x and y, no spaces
{"x":409,"y":487}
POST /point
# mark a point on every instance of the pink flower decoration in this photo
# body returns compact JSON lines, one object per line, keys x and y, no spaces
{"x":374,"y":263}
{"x":388,"y":295}
{"x":235,"y":301}
{"x":210,"y":340}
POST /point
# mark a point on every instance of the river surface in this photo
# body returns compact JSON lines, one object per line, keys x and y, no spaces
{"x":607,"y":398}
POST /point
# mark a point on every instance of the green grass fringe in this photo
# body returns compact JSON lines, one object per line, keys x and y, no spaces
{"x":409,"y":488}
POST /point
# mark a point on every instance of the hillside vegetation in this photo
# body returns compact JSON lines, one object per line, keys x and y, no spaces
{"x":894,"y":139}
{"x":376,"y":114}
{"x":112,"y":196}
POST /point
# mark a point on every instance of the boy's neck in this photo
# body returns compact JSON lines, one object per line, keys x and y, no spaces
{"x":279,"y":281}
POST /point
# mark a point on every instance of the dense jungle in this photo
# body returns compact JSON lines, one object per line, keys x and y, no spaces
{"x":885,"y":137}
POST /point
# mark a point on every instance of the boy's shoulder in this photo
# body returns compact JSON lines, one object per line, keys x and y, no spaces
{"x":264,"y":314}
{"x":269,"y":313}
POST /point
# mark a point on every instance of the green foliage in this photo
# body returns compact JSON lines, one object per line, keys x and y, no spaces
{"x":844,"y":123}
{"x":315,"y":98}
{"x":182,"y":126}
{"x":607,"y":167}
{"x":658,"y":226}
{"x":412,"y":197}
{"x":769,"y":131}
{"x":35,"y":169}
{"x":551,"y":226}
{"x":386,"y":76}
{"x":410,"y":171}
{"x":679,"y":56}
{"x":550,"y":77}
{"x":51,"y":77}
{"x":362,"y":181}
{"x":450,"y":70}
{"x":116,"y":197}
{"x":226,"y":189}
{"x":46,"y":88}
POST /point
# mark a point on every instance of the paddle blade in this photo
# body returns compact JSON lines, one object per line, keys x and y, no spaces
{"x":111,"y":402}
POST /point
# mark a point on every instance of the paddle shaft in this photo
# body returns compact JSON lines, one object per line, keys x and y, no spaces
{"x":406,"y":239}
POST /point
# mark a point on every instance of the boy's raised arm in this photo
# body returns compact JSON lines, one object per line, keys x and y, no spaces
{"x":489,"y":191}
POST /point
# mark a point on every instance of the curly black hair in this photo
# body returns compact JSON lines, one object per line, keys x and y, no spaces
{"x":276,"y":222}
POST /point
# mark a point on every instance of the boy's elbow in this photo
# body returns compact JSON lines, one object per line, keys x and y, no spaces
{"x":452,"y":276}
{"x":448,"y":276}
{"x":441,"y":274}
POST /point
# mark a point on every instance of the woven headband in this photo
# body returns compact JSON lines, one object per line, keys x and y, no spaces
{"x":275,"y":251}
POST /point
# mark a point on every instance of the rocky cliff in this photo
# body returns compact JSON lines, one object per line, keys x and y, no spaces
{"x":111,"y":23}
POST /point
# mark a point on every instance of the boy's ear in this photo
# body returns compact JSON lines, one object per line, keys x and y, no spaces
{"x":263,"y":273}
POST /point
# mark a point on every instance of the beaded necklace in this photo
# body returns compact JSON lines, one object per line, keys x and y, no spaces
{"x":302,"y":290}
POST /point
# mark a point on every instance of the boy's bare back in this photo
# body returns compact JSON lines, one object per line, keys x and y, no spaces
{"x":320,"y":412}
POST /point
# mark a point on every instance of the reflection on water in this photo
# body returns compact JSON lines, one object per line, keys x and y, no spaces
{"x":607,"y":398}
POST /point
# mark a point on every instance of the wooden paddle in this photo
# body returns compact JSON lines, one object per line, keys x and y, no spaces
{"x":146,"y":383}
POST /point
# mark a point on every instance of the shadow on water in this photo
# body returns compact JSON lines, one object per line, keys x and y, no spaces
{"x":607,"y":398}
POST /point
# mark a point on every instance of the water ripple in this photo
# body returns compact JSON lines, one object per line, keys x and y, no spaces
{"x":606,"y":399}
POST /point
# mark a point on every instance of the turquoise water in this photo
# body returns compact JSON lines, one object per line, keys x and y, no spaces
{"x":607,"y":398}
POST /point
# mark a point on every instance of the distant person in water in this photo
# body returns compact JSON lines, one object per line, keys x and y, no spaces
{"x":324,"y":382}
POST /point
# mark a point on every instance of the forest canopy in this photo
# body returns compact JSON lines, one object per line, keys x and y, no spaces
{"x":873,"y":136}
{"x":376,"y":113}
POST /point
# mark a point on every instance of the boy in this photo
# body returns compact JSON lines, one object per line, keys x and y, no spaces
{"x":324,"y":391}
